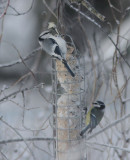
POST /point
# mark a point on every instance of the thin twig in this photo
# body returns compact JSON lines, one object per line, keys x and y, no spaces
{"x":109,"y":126}
{"x":4,"y":156}
{"x":24,"y":62}
{"x":23,"y":13}
{"x":93,"y":21}
{"x":7,"y":124}
{"x":84,"y":15}
{"x":110,"y":146}
{"x":19,"y":60}
{"x":26,"y":139}
{"x":4,"y":13}
{"x":49,"y":9}
{"x":19,"y":91}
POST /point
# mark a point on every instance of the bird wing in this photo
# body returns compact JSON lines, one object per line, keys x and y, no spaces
{"x":93,"y":121}
{"x":57,"y":51}
{"x":53,"y":41}
{"x":48,"y":45}
{"x":62,"y":45}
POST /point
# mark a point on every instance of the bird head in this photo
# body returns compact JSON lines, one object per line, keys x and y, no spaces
{"x":44,"y":35}
{"x":99,"y":104}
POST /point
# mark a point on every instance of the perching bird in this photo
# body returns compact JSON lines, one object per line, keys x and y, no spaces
{"x":94,"y":116}
{"x":55,"y":46}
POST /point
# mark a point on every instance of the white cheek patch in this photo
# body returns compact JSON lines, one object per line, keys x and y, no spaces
{"x":97,"y":105}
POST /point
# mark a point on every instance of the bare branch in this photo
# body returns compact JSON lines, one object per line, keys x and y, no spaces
{"x":109,"y":126}
{"x":26,"y":139}
{"x":22,"y":13}
{"x":19,"y":91}
{"x":110,"y":146}
{"x":50,"y":10}
{"x":4,"y":156}
{"x":5,"y":10}
{"x":98,"y":25}
{"x":7,"y":124}
{"x":19,"y":60}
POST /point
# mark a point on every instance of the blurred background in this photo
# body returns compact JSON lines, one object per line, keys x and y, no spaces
{"x":25,"y":73}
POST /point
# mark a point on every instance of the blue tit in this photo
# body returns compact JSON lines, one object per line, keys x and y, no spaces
{"x":94,"y":116}
{"x":55,"y":46}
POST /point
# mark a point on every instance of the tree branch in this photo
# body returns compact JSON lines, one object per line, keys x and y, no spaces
{"x":26,"y":139}
{"x":19,"y":60}
{"x":109,"y":126}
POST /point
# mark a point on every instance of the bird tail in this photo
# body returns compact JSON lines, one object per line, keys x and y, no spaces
{"x":84,"y":130}
{"x":68,"y":68}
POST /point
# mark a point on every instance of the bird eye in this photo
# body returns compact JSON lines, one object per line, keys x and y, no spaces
{"x":42,"y":35}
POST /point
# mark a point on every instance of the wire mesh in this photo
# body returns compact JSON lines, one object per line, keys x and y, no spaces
{"x":68,"y":104}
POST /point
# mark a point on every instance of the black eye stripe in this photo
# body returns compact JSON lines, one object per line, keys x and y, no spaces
{"x":46,"y":33}
{"x":100,"y":102}
{"x":43,"y":34}
{"x":40,"y":39}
